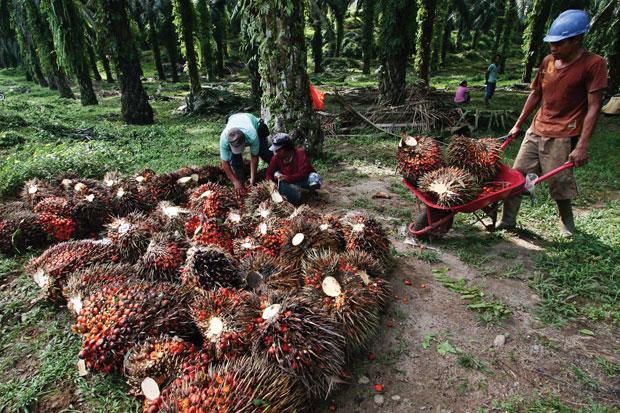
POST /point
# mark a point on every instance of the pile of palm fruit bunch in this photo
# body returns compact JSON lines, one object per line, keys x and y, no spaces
{"x":453,"y":178}
{"x":204,"y":300}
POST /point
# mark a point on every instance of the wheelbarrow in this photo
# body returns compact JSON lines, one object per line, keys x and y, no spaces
{"x":507,"y":183}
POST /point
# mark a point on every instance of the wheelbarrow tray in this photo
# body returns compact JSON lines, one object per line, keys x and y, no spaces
{"x":513,"y":179}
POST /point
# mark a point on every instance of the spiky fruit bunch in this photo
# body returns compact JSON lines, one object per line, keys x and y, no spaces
{"x":210,"y":267}
{"x":364,"y":233}
{"x":344,"y":294}
{"x":225,"y":318}
{"x":261,"y":270}
{"x":84,"y":186}
{"x":450,"y":186}
{"x":362,"y":261}
{"x":479,"y":157}
{"x":51,"y":269}
{"x":57,"y":227}
{"x":55,"y":205}
{"x":158,"y":358}
{"x":368,"y":272}
{"x":240,"y":224}
{"x":245,"y":385}
{"x":127,"y":197}
{"x":36,"y":190}
{"x":169,"y":217}
{"x":19,"y":230}
{"x":303,"y":341}
{"x":91,"y":209}
{"x":163,"y":257}
{"x":418,"y":155}
{"x":115,"y":317}
{"x":332,"y":224}
{"x":246,"y":246}
{"x":212,"y":200}
{"x":130,"y":235}
{"x":208,"y":232}
{"x":265,"y":200}
{"x":303,"y":236}
{"x":210,"y":174}
{"x":271,"y":234}
{"x":305,"y":212}
{"x":165,"y":187}
{"x":8,"y":208}
{"x":111,"y":179}
{"x":82,"y":284}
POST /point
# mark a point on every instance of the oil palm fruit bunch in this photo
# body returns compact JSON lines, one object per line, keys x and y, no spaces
{"x":225,"y":319}
{"x":343,"y":296}
{"x":169,"y":217}
{"x":163,"y":258}
{"x":332,"y":224}
{"x":54,"y":214}
{"x":240,"y":224}
{"x":261,"y":270}
{"x":210,"y":174}
{"x":368,"y":272}
{"x":51,"y":269}
{"x":115,"y":317}
{"x":418,"y":155}
{"x":244,"y":385}
{"x":159,"y":359}
{"x":480,"y":157}
{"x":305,"y":212}
{"x":303,"y":236}
{"x":7,"y":208}
{"x":111,"y":179}
{"x":130,"y":235}
{"x":83,"y":283}
{"x":91,"y":209}
{"x":246,"y":246}
{"x":267,"y":194}
{"x":36,"y":190}
{"x":271,"y":234}
{"x":127,"y":197}
{"x":20,"y":229}
{"x":208,"y":232}
{"x":212,"y":200}
{"x":210,"y":267}
{"x":364,"y":233}
{"x":165,"y":187}
{"x":450,"y":186}
{"x":302,"y":340}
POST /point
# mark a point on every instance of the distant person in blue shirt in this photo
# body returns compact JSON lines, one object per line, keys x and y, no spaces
{"x":491,"y":79}
{"x":243,"y":129}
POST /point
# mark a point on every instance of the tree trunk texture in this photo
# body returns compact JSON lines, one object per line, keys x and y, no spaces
{"x":154,"y":40}
{"x":339,"y":32}
{"x":205,"y":30}
{"x":533,"y":39}
{"x":438,"y":35}
{"x":106,"y":66}
{"x":170,"y":39}
{"x":64,"y":87}
{"x":87,"y":93}
{"x":93,"y":63}
{"x":368,"y":31}
{"x":317,"y":37}
{"x":38,"y":73}
{"x":286,"y":105}
{"x":135,"y":107}
{"x":614,"y":53}
{"x":510,"y":16}
{"x":330,"y":36}
{"x":446,"y":44}
{"x":499,"y":25}
{"x":185,"y":11}
{"x":8,"y":45}
{"x":394,"y":43}
{"x":219,"y":35}
{"x":426,"y":18}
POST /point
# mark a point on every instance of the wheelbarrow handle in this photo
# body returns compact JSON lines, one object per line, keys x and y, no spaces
{"x":569,"y":164}
{"x":505,"y":140}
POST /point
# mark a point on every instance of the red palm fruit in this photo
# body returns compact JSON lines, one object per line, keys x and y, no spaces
{"x":36,"y":190}
{"x":331,"y":223}
{"x":116,"y":316}
{"x":20,"y":229}
{"x":51,"y":269}
{"x":166,"y":187}
{"x":348,"y":297}
{"x":240,"y":224}
{"x":302,"y":340}
{"x":160,"y":359}
{"x":225,"y":319}
{"x":450,"y":186}
{"x":364,"y":233}
{"x":55,"y":205}
{"x":271,"y":234}
{"x":266,"y":195}
{"x":127,"y":196}
{"x":169,"y":217}
{"x":245,"y":385}
{"x":163,"y":258}
{"x":130,"y":235}
{"x":210,"y":267}
{"x":418,"y":155}
{"x":212,"y":200}
{"x":246,"y":246}
{"x":209,"y":232}
{"x":83,"y":283}
{"x":261,"y":270}
{"x":303,"y":236}
{"x":210,"y":174}
{"x":480,"y":157}
{"x":91,"y":209}
{"x":57,"y":227}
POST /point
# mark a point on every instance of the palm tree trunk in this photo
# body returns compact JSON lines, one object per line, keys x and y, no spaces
{"x":170,"y":39}
{"x":93,"y":63}
{"x":533,"y":39}
{"x":184,"y":10}
{"x":426,"y":18}
{"x":368,"y":31}
{"x":154,"y":40}
{"x":219,"y":34}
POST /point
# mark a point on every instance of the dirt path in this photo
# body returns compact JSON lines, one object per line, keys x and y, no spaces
{"x":535,"y":359}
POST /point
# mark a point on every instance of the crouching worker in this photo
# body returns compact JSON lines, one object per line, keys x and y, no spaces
{"x":291,"y":169}
{"x":243,"y":129}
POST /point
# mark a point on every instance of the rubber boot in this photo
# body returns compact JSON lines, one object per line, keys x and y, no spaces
{"x":565,"y":208}
{"x":509,"y":214}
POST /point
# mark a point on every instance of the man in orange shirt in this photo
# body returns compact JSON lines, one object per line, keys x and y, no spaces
{"x":568,"y":87}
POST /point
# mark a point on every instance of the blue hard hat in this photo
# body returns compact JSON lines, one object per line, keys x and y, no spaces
{"x":568,"y":24}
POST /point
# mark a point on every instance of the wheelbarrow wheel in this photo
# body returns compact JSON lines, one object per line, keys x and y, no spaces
{"x":421,"y":222}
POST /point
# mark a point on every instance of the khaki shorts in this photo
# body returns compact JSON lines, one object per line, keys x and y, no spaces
{"x":541,"y":155}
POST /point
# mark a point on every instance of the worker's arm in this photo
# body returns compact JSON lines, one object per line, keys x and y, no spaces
{"x":486,"y":75}
{"x":231,"y":175}
{"x":530,"y":105}
{"x":253,"y":167}
{"x":580,"y":155}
